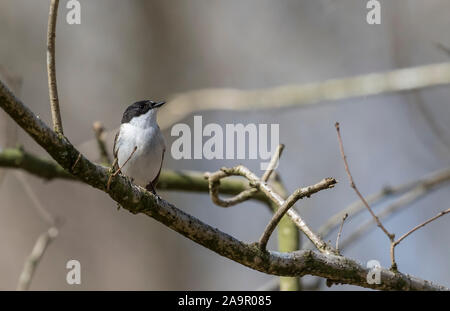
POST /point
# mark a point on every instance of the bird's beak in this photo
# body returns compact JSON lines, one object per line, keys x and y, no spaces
{"x":157,"y":105}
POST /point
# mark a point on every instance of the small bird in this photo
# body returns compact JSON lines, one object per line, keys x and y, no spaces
{"x":139,"y":145}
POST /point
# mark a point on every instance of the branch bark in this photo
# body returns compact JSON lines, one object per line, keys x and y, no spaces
{"x":137,"y":200}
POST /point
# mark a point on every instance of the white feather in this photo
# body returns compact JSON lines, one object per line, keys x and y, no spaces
{"x":144,"y":133}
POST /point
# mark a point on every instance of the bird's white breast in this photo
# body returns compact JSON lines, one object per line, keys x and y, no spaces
{"x":145,"y":163}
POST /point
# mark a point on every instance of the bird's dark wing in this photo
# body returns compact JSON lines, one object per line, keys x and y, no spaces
{"x":155,"y":181}
{"x":115,"y":164}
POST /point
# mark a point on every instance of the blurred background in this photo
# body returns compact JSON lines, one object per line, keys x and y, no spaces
{"x":124,"y":51}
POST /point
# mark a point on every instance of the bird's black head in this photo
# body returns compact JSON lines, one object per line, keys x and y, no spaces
{"x":139,"y":108}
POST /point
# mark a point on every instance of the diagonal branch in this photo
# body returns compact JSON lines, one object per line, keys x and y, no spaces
{"x":42,"y":242}
{"x":416,"y":188}
{"x":272,"y":195}
{"x":138,"y":200}
{"x":353,"y":185}
{"x":289,"y":202}
{"x":395,"y":243}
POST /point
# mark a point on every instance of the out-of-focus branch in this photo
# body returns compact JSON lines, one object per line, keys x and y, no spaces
{"x":51,"y":67}
{"x":34,"y":258}
{"x":415,"y":188}
{"x":99,"y":131}
{"x":304,"y":95}
{"x":402,"y":202}
{"x":191,"y":181}
{"x":43,"y":241}
{"x":38,"y":166}
{"x":137,"y":200}
{"x":288,"y":237}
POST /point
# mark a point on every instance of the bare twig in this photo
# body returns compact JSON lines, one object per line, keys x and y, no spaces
{"x":273,"y":164}
{"x":443,"y":47}
{"x":395,"y":243}
{"x":415,"y":189}
{"x":403,"y":201}
{"x":289,"y":202}
{"x":120,"y":168}
{"x":51,"y":70}
{"x":340,"y":232}
{"x":99,"y":130}
{"x":76,"y":162}
{"x":43,"y":240}
{"x":352,"y":184}
{"x":35,"y":257}
{"x":42,"y":211}
{"x":273,"y":196}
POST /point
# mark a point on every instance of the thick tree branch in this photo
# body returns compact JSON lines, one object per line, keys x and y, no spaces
{"x":137,"y":200}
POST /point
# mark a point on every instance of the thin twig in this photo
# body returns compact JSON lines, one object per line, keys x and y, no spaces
{"x":340,"y":232}
{"x":119,"y":169}
{"x":51,"y":67}
{"x":99,"y":130}
{"x":273,"y":164}
{"x":43,"y":240}
{"x":288,"y":203}
{"x":35,"y":257}
{"x":395,"y":243}
{"x":42,"y":211}
{"x":402,"y":202}
{"x":274,"y":197}
{"x":352,"y":184}
{"x":419,"y":187}
{"x":76,"y":161}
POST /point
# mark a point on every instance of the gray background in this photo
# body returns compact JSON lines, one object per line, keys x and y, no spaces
{"x":129,"y":50}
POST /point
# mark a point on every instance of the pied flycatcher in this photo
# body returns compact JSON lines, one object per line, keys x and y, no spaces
{"x":139,"y":145}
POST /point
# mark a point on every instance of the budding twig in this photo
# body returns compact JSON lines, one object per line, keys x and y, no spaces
{"x":99,"y":130}
{"x":340,"y":231}
{"x":108,"y":184}
{"x":353,"y":185}
{"x":395,"y":243}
